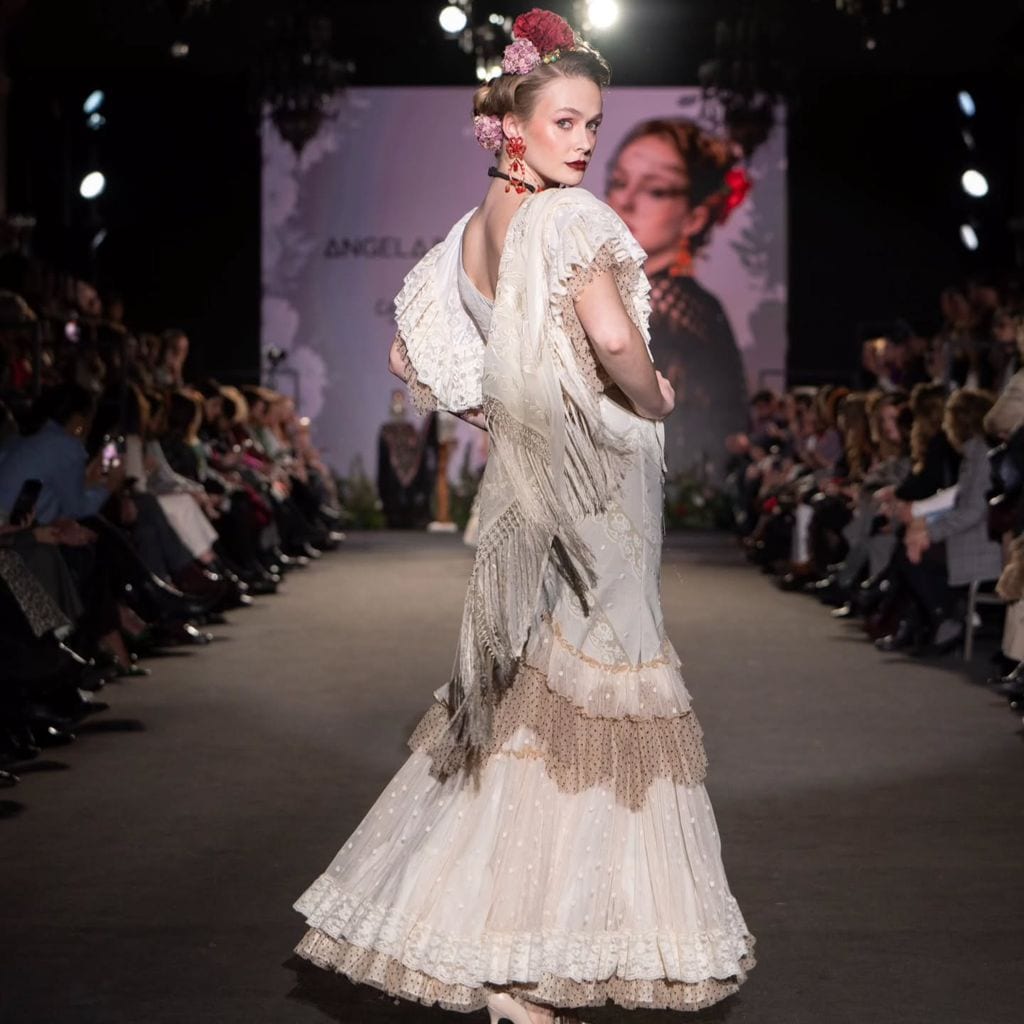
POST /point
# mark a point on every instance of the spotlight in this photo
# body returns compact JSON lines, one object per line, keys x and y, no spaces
{"x":974,"y":183}
{"x":968,"y":138}
{"x":93,"y":101}
{"x":92,"y":185}
{"x":966,"y":101}
{"x":602,"y":13}
{"x":969,"y":237}
{"x":452,"y":18}
{"x":179,"y":50}
{"x":95,"y":120}
{"x":98,"y":239}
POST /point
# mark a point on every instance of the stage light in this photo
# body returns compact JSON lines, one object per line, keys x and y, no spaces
{"x":974,"y":183}
{"x":92,"y":185}
{"x":967,"y":137}
{"x":969,"y":236}
{"x":602,"y":13}
{"x":95,"y":120}
{"x":453,"y":19}
{"x":966,"y":101}
{"x":179,"y":50}
{"x":93,"y":101}
{"x":98,"y":239}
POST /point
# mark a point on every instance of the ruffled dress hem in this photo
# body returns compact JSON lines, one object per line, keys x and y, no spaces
{"x":390,"y":975}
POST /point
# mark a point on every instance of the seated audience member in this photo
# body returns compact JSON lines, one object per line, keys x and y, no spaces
{"x":73,"y":486}
{"x":969,"y":554}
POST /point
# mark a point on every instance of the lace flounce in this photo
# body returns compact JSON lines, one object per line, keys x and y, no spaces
{"x":439,"y":341}
{"x":391,"y":975}
{"x":579,"y":750}
{"x":652,"y":689}
{"x":381,"y":946}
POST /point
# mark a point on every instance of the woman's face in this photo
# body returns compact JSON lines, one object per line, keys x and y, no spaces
{"x":889,"y":422}
{"x":648,"y":187}
{"x":561,"y":133}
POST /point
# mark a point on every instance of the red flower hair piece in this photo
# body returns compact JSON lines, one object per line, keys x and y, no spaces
{"x":733,"y":192}
{"x":545,"y":29}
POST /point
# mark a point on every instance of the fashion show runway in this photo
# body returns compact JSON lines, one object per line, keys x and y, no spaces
{"x":869,"y":807}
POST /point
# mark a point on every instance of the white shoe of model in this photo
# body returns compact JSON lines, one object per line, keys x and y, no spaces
{"x":501,"y":1006}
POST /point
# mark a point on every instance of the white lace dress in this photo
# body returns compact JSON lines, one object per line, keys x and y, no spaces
{"x":583,"y":863}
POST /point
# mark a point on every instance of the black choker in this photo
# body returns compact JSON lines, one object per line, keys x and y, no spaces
{"x":493,"y":172}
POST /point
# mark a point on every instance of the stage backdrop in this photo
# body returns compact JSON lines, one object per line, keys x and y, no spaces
{"x":386,"y":177}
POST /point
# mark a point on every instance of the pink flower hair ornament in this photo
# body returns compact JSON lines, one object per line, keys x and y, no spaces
{"x":521,"y":57}
{"x":488,"y":132}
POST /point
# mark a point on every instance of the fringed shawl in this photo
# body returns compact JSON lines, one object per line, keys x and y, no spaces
{"x":551,"y":462}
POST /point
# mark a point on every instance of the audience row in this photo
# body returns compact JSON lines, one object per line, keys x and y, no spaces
{"x":135,"y":511}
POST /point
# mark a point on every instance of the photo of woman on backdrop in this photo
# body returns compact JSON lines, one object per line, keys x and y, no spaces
{"x":672,"y":183}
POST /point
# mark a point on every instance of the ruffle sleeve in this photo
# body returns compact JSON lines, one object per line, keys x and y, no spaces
{"x":441,"y":346}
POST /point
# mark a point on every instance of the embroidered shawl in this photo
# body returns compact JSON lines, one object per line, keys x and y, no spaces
{"x":552,"y":461}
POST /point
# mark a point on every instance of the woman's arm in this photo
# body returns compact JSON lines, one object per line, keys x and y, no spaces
{"x":620,"y":348}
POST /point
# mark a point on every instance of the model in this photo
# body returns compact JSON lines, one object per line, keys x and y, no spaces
{"x":549,"y":844}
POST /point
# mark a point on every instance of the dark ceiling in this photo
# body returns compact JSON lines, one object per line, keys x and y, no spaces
{"x":400,"y":42}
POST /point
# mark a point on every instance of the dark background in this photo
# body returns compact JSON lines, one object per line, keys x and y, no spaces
{"x":874,"y":161}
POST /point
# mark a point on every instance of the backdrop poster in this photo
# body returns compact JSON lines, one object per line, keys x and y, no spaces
{"x":393,"y":168}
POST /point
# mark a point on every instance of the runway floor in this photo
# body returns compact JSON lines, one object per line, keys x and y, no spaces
{"x":870,"y":807}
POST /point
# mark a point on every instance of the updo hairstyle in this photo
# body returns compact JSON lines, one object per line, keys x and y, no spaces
{"x":518,"y":94}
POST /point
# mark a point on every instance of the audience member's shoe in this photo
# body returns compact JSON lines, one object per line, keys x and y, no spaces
{"x":799,"y":577}
{"x":1012,"y":690}
{"x":48,"y":729}
{"x":833,"y":594}
{"x":1013,"y":673}
{"x":178,"y":634}
{"x":899,"y":639}
{"x":8,"y":779}
{"x":844,"y":611}
{"x":948,"y":636}
{"x":132,"y":671}
{"x":17,"y":744}
{"x":311,"y":551}
{"x":260,"y":587}
{"x":198,"y":582}
{"x":79,"y":705}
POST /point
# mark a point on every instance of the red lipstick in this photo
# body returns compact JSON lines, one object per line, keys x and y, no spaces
{"x":577,"y":165}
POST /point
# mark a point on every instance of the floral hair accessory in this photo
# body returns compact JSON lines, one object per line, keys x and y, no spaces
{"x":537,"y":37}
{"x":545,"y":29}
{"x":733,"y":192}
{"x":521,"y":57}
{"x":487,"y":129}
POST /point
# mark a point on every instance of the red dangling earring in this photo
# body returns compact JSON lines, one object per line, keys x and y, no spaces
{"x":682,"y":265}
{"x":515,"y":147}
